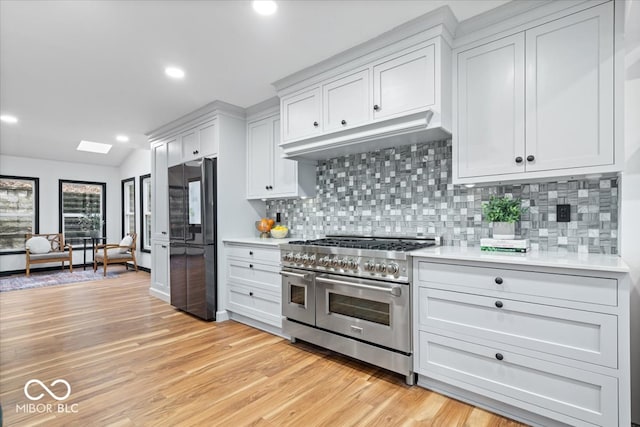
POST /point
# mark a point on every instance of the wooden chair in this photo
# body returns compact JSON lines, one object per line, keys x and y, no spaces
{"x":59,"y":252}
{"x":114,"y":253}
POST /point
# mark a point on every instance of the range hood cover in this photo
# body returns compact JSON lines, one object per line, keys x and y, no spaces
{"x":419,"y":127}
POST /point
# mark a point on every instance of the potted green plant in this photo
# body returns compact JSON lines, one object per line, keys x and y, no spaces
{"x":91,"y":222}
{"x":503,"y":212}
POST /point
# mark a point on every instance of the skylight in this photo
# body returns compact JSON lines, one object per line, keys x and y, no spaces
{"x":94,"y":147}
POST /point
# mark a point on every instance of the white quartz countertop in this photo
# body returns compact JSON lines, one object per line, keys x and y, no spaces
{"x":257,"y":241}
{"x":578,"y":261}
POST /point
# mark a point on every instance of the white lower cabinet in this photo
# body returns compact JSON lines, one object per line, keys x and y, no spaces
{"x":546,"y":346}
{"x":253,"y":285}
{"x":160,"y":269}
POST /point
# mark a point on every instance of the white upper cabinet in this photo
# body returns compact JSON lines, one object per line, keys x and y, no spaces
{"x":404,"y":83}
{"x":302,"y":115}
{"x":269,"y":175}
{"x":174,"y":151}
{"x":346,"y":101}
{"x":538,"y":103}
{"x":208,"y":137}
{"x":569,"y":91}
{"x":491,"y":84}
{"x":190,"y":145}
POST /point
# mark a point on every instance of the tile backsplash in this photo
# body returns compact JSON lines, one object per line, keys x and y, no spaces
{"x":407,"y":191}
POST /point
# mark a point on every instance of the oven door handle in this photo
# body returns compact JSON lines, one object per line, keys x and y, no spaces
{"x":396,"y":291}
{"x":298,"y":275}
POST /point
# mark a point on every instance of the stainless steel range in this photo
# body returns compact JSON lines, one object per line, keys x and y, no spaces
{"x":352,"y":295}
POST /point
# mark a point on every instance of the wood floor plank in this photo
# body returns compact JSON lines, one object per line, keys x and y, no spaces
{"x":132,"y":360}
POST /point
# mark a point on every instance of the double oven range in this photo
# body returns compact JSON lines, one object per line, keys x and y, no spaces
{"x":352,"y":295}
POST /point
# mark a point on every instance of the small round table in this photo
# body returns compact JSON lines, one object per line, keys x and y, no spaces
{"x":94,"y":242}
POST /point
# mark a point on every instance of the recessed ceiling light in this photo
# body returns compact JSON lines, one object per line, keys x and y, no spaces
{"x":265,"y":7}
{"x":9,"y":119}
{"x":94,"y":147}
{"x":122,"y":138}
{"x":469,"y":185}
{"x":174,"y":72}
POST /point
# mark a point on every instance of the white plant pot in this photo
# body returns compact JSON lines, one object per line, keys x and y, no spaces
{"x":504,"y":230}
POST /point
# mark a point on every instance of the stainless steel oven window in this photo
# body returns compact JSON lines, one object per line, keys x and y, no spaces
{"x":360,"y":308}
{"x":298,"y":295}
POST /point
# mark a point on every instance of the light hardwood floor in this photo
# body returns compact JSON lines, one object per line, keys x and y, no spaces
{"x":133,"y":360}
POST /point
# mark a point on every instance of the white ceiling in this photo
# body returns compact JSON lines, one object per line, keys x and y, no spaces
{"x":72,"y":70}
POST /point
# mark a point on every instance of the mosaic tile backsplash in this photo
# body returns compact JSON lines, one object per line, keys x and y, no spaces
{"x":407,"y":191}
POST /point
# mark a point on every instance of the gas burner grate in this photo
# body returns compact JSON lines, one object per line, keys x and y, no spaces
{"x":367,"y":243}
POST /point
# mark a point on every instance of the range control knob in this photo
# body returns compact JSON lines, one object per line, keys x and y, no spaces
{"x":369,"y":266}
{"x":393,"y":268}
{"x":343,"y":263}
{"x":297,"y":258}
{"x":381,"y":268}
{"x":352,"y":264}
{"x":305,"y":259}
{"x":289,"y":257}
{"x":324,"y":261}
{"x":335,"y":262}
{"x":312,"y":259}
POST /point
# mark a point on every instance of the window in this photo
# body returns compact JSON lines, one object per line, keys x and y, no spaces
{"x":145,"y":212}
{"x":18,"y":211}
{"x":83,"y":207}
{"x":128,"y":206}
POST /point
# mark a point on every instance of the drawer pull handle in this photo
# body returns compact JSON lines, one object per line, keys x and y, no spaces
{"x":250,"y":294}
{"x":250,"y":265}
{"x":499,"y":304}
{"x":499,"y":356}
{"x":250,"y":252}
{"x":499,"y":280}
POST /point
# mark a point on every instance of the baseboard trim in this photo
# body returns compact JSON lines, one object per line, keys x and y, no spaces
{"x":222,"y":316}
{"x":257,"y":324}
{"x":160,"y":295}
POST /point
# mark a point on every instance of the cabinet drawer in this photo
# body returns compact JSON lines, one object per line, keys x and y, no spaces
{"x":256,"y":304}
{"x":254,"y":274}
{"x":546,"y":388}
{"x":593,"y":290}
{"x":575,"y":334}
{"x":254,"y":253}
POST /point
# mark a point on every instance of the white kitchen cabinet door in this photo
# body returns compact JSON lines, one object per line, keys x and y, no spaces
{"x":190,"y":145}
{"x":285,"y":171}
{"x":159,"y":186}
{"x":569,"y":91}
{"x":490,"y":109}
{"x":173,"y":152}
{"x":404,"y":84}
{"x":160,"y":267}
{"x":301,"y":114}
{"x":346,"y":101}
{"x":208,"y":139}
{"x":259,"y":158}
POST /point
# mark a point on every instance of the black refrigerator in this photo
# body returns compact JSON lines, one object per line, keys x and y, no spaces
{"x":192,"y":237}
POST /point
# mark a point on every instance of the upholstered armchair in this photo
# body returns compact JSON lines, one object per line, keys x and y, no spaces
{"x":116,"y":253}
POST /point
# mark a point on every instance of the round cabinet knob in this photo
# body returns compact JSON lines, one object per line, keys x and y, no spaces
{"x":530,"y":158}
{"x":498,"y":280}
{"x":393,"y":268}
{"x":499,"y":304}
{"x":250,"y":265}
{"x":376,"y":107}
{"x":250,"y":294}
{"x":266,"y":187}
{"x":518,"y":159}
{"x":250,"y":252}
{"x":297,"y":258}
{"x":312,"y":259}
{"x":271,"y":187}
{"x":381,"y":268}
{"x":499,"y":356}
{"x":344,"y":122}
{"x":315,"y":124}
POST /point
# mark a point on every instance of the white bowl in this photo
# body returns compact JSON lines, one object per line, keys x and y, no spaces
{"x":279,"y":234}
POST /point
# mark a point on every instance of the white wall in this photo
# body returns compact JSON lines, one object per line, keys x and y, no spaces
{"x":49,"y":173}
{"x":136,"y":164}
{"x":630,"y":189}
